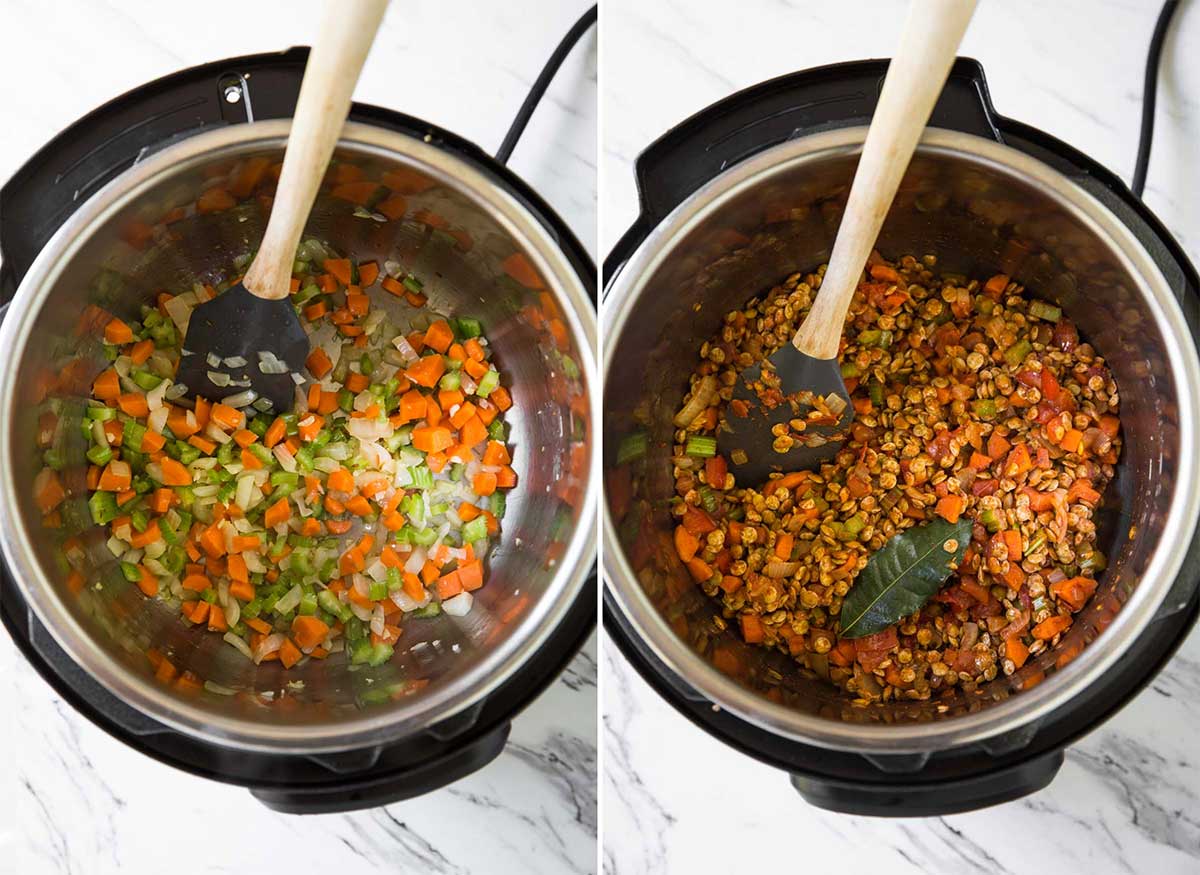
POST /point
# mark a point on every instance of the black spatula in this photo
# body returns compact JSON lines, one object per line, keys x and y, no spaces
{"x":796,"y":404}
{"x":238,"y":340}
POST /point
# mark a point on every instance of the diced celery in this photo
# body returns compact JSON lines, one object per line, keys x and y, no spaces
{"x":632,"y":446}
{"x":467,"y":328}
{"x":422,"y":477}
{"x":345,"y":399}
{"x":395,"y":580}
{"x":144,"y":379}
{"x":1016,"y":353}
{"x":1043,"y":310}
{"x":498,"y":504}
{"x":225,"y":453}
{"x":103,"y":506}
{"x":701,"y":446}
{"x":488,"y":383}
{"x":308,"y":604}
{"x":377,"y":590}
{"x":450,"y":381}
{"x":140,"y":519}
{"x":100,"y":455}
{"x":430,"y":610}
{"x":131,"y":572}
{"x":131,"y":436}
{"x":496,"y":430}
{"x":474,"y":530}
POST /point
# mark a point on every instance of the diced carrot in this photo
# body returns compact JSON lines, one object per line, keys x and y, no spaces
{"x":140,"y":540}
{"x":519,"y":268}
{"x":214,"y":200}
{"x":309,"y":631}
{"x":950,"y":508}
{"x":228,"y":418}
{"x":392,"y":521}
{"x":368,"y":273}
{"x":318,"y":363}
{"x":475,"y":369}
{"x":1073,"y":592}
{"x":995,"y":286}
{"x":141,"y":351}
{"x":358,"y":304}
{"x":496,"y":454}
{"x":341,"y":480}
{"x":174,"y":473}
{"x":1018,"y":462}
{"x":1081,"y":490}
{"x":216,"y":619}
{"x":470,"y":575}
{"x":358,"y":506}
{"x":1015,"y":649}
{"x":116,"y":477}
{"x":506,"y":477}
{"x":783,"y":546}
{"x":107,"y":386}
{"x":484,"y":483}
{"x":117,"y":332}
{"x":439,"y":336}
{"x":1012,"y":540}
{"x":244,"y":437}
{"x":447,"y":398}
{"x":1110,"y":425}
{"x":1050,"y":627}
{"x":339,"y":268}
{"x":289,"y":653}
{"x":686,"y":544}
{"x":237,"y":568}
{"x":412,"y":405}
{"x":473,"y":433}
{"x":432,"y":439}
{"x":979,"y":462}
{"x":309,"y":427}
{"x":427,"y":370}
{"x":134,"y":404}
{"x":356,"y":382}
{"x":752,"y":629}
{"x":259,"y":626}
{"x":449,"y":585}
{"x":1072,"y":440}
{"x":244,"y":543}
{"x":275,"y":433}
{"x":393,"y":286}
{"x":196,"y":582}
{"x":276,"y":514}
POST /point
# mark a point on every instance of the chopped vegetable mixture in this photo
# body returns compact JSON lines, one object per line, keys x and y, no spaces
{"x":317,"y":531}
{"x":973,"y":402}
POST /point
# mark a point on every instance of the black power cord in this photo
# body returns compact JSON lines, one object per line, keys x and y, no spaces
{"x":542,"y":83}
{"x":1150,"y":95}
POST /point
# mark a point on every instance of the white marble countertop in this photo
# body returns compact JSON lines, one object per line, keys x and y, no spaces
{"x":77,"y":801}
{"x":674,"y":799}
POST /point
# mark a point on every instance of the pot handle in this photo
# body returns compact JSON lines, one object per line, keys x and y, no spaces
{"x":91,"y":152}
{"x":764,"y":115}
{"x":918,"y":799}
{"x":353,"y":793}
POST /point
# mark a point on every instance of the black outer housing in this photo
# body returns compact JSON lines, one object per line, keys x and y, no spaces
{"x":960,"y":779}
{"x":33,"y":205}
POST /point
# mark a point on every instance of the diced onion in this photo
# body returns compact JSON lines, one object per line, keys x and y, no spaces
{"x":240,"y":644}
{"x":286,"y":460}
{"x":213,"y":360}
{"x":272,"y":642}
{"x":406,"y":350}
{"x":215,"y":432}
{"x":219,"y":379}
{"x":158,"y":419}
{"x":377,"y":620}
{"x":459,"y":605}
{"x":241,"y":399}
{"x":269,"y":363}
{"x":290,"y":600}
{"x":377,"y":571}
{"x":176,"y":390}
{"x":416,"y":561}
{"x":702,"y":398}
{"x":235,"y":361}
{"x":262,"y":405}
{"x":154,"y":398}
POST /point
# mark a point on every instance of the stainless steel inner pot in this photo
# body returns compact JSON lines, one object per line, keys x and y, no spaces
{"x":981,"y":208}
{"x":459,"y":228}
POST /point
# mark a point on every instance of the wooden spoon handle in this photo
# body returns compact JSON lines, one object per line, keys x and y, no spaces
{"x":337,"y":58}
{"x":928,"y":45}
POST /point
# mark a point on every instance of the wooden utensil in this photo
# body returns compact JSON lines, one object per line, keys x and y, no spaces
{"x":254,"y":320}
{"x":809,"y":364}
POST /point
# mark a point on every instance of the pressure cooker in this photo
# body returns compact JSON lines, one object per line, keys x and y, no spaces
{"x":74,"y":236}
{"x":750,"y":190}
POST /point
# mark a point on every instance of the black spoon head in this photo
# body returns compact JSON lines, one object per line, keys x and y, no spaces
{"x":237,"y":324}
{"x":794,"y":391}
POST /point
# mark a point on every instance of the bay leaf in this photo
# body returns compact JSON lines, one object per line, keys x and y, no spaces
{"x":902,"y":575}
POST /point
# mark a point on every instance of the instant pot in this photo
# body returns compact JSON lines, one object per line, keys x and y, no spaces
{"x":113,"y":210}
{"x":749,"y":191}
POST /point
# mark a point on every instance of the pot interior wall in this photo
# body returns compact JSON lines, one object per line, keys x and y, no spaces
{"x":454,"y":244}
{"x":978,"y":219}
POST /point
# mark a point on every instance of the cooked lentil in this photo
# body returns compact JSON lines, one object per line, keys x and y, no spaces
{"x":971,"y":399}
